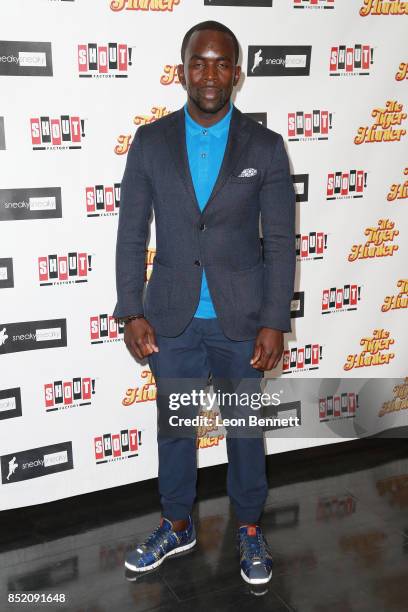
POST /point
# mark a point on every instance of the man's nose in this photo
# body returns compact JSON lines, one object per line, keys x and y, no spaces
{"x":210,"y":73}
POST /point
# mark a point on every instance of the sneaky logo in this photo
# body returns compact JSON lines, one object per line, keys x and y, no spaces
{"x":34,"y":203}
{"x":6,"y":273}
{"x":340,"y":299}
{"x":10,"y":403}
{"x":2,"y":135}
{"x":310,"y":246}
{"x":58,"y":133}
{"x":350,"y":60}
{"x":302,"y":358}
{"x":25,"y":58}
{"x":258,"y":117}
{"x":301,"y":187}
{"x":169,"y":75}
{"x":278,"y":60}
{"x":314,"y":125}
{"x":36,"y":462}
{"x":72,"y":393}
{"x":105,"y":328}
{"x":110,"y":60}
{"x":32,"y":335}
{"x":102,"y":200}
{"x":143,"y":5}
{"x":297,"y":305}
{"x":117,"y":447}
{"x":346,"y":184}
{"x":64,"y":269}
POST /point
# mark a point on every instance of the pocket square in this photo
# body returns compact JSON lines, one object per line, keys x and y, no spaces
{"x":248,"y":172}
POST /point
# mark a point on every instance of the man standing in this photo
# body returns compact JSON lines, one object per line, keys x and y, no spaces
{"x":213,"y":303}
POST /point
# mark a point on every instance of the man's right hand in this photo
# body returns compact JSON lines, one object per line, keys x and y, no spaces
{"x":140,"y":338}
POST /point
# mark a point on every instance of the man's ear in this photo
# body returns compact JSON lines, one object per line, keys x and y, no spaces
{"x":237,"y":74}
{"x":180,"y":74}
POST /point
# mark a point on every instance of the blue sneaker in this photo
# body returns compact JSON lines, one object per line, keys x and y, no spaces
{"x":255,"y":556}
{"x":162,"y":543}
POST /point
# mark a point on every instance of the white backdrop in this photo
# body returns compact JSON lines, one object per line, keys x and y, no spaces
{"x":51,"y":330}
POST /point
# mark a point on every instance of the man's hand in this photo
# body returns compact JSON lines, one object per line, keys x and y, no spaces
{"x":140,"y":338}
{"x":268,"y":349}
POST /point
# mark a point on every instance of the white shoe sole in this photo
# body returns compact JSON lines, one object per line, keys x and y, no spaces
{"x":255,"y":580}
{"x":134,"y":568}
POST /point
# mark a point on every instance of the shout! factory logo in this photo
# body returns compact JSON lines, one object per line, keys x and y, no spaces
{"x":32,"y":335}
{"x":301,"y":187}
{"x":373,"y":352}
{"x":402,"y":73}
{"x":399,"y":300}
{"x":346,"y":184}
{"x":341,"y":406}
{"x":104,"y":328}
{"x":64,"y":269}
{"x":10,"y":403}
{"x":339,"y":299}
{"x":124,"y":140}
{"x":381,"y":7}
{"x":351,"y":60}
{"x":146,"y":392}
{"x":279,"y":60}
{"x":313,"y":4}
{"x":169,"y":75}
{"x":302,"y":358}
{"x":314,"y":125}
{"x":399,"y":401}
{"x":310,"y":246}
{"x":399,"y":191}
{"x":64,"y":132}
{"x":102,"y":200}
{"x":116,"y":447}
{"x":143,"y":5}
{"x":36,"y":462}
{"x":25,"y":58}
{"x":6,"y":273}
{"x":381,"y":130}
{"x":375,"y":244}
{"x":111,"y":60}
{"x":72,"y":393}
{"x":34,"y":203}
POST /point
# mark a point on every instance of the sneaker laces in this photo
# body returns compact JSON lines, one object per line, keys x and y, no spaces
{"x":254,"y":546}
{"x":156,"y":538}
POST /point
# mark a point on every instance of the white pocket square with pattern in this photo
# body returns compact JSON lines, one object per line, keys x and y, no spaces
{"x":248,"y":172}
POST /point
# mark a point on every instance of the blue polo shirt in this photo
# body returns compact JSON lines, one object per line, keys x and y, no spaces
{"x":205,"y":150}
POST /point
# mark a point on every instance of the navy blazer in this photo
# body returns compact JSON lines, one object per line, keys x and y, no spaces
{"x":249,"y":289}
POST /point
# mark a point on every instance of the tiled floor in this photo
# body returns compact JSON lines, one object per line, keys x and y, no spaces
{"x":336,"y":520}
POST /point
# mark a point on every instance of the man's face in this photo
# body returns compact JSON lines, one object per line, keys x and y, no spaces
{"x":209,"y":72}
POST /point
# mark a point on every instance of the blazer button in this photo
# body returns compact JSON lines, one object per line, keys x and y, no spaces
{"x":203,"y":227}
{"x":197,"y":262}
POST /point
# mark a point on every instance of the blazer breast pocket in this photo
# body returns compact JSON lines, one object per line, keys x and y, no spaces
{"x":244,"y":179}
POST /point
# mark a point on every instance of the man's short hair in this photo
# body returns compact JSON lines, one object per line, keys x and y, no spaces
{"x":209,"y":25}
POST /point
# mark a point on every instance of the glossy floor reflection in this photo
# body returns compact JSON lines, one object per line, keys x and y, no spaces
{"x":336,"y":520}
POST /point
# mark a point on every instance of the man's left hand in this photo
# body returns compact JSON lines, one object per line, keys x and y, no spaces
{"x":268,"y":349}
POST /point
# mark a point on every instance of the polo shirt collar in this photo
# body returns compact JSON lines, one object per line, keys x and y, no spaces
{"x":218,"y":129}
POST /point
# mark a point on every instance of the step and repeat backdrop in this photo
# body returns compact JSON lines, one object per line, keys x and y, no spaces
{"x":78,"y":77}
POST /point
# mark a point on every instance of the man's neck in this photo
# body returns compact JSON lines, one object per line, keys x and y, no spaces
{"x":207,"y":119}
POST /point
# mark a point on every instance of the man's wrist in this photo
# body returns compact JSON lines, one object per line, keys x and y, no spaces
{"x":129,"y":318}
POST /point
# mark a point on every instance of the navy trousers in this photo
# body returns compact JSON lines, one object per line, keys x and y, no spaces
{"x":202,"y":348}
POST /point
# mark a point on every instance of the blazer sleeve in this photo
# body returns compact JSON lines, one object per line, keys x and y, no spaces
{"x":277,"y":202}
{"x":134,"y":213}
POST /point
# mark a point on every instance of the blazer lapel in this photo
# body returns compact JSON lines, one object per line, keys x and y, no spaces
{"x":237,"y":139}
{"x":176,"y":140}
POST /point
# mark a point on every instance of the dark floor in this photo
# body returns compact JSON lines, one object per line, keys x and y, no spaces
{"x":336,"y":520}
